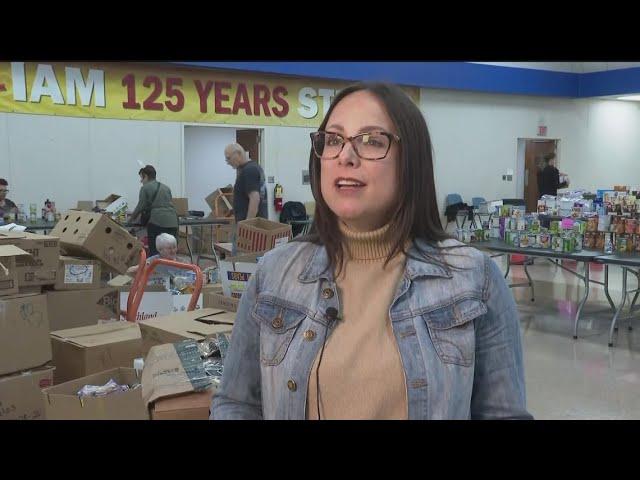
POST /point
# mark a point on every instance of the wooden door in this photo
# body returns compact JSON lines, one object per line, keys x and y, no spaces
{"x":533,"y":163}
{"x":250,"y":141}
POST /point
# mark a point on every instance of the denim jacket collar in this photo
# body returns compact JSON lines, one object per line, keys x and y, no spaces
{"x":417,"y":266}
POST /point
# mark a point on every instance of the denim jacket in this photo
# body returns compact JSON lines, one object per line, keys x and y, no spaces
{"x":456,"y":326}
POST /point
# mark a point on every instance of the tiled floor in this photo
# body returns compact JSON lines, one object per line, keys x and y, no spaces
{"x":584,"y":378}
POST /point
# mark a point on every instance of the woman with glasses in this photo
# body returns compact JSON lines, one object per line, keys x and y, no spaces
{"x":377,"y":314}
{"x":7,"y":207}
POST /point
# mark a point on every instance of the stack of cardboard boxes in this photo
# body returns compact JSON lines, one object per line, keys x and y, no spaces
{"x":27,"y":263}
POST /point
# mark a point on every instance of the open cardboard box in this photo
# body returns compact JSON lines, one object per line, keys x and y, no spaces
{"x":82,"y":351}
{"x":174,"y":385}
{"x":62,"y":401}
{"x":194,"y":325}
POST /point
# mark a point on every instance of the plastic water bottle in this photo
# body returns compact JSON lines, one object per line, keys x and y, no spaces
{"x":608,"y":245}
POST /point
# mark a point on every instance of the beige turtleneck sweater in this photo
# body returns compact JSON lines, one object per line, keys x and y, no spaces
{"x":361,"y":374}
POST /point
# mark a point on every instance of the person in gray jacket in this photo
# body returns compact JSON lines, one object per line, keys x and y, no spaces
{"x":156,"y":198}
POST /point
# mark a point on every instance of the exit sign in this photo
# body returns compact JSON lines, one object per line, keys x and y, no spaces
{"x":542,"y":131}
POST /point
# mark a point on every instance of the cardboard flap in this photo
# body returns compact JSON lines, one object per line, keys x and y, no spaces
{"x":102,"y":334}
{"x":197,"y":324}
{"x":11,"y":235}
{"x":173,"y":369}
{"x":12,"y":251}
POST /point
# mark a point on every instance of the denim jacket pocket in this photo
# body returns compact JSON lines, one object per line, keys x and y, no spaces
{"x":452,"y":330}
{"x":278,"y":325}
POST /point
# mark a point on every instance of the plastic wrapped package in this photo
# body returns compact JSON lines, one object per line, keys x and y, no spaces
{"x":102,"y":390}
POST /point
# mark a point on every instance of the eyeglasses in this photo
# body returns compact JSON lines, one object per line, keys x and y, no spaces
{"x":368,"y":146}
{"x":4,"y":191}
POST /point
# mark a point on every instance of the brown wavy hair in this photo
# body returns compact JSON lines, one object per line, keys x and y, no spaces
{"x":416,"y":215}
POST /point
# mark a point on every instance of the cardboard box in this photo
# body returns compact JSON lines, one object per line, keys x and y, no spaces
{"x":157,"y":304}
{"x":62,"y":402}
{"x":21,"y":394}
{"x":235,"y":273}
{"x":189,"y":406}
{"x":9,"y":274}
{"x":259,"y":234}
{"x":182,"y":206}
{"x":41,"y":267}
{"x":174,"y":385}
{"x":195,"y":325}
{"x":81,"y":308}
{"x":24,"y":333}
{"x":29,"y":290}
{"x":218,"y":300}
{"x":85,"y":205}
{"x":78,"y":274}
{"x":103,"y":204}
{"x":221,"y":202}
{"x":119,"y":207}
{"x":84,"y":234}
{"x":213,"y":297}
{"x":79,"y":352}
{"x":223,"y":233}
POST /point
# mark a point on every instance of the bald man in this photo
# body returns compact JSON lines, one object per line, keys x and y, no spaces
{"x":250,"y":191}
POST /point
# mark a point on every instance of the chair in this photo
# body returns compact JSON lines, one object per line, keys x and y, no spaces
{"x":452,"y":199}
{"x":476,"y":201}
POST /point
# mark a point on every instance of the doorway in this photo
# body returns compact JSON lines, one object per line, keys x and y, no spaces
{"x":531,"y":153}
{"x":249,"y":139}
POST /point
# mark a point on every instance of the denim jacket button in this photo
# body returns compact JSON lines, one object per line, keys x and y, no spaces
{"x":277,"y":322}
{"x":309,"y":335}
{"x":327,"y":293}
{"x":291,"y":385}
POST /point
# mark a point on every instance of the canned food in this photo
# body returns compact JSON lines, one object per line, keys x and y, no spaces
{"x":524,"y":240}
{"x":535,"y":226}
{"x":630,"y":227}
{"x":545,"y":240}
{"x":600,"y":241}
{"x":567,"y":244}
{"x":554,"y":227}
{"x":556,"y":243}
{"x":621,"y":244}
{"x":533,"y":240}
{"x":592,"y":224}
{"x":620,"y":227}
{"x":577,"y":244}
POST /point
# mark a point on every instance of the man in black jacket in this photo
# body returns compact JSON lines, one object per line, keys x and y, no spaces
{"x":549,"y":179}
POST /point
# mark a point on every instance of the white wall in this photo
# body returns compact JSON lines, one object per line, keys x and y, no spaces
{"x":205,"y":166}
{"x":286,"y":154}
{"x":474,"y":135}
{"x":475,"y":139}
{"x":69,"y":159}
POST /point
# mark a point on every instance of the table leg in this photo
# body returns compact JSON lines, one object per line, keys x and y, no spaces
{"x":587,"y":283}
{"x":506,"y":274}
{"x":606,"y":287}
{"x":189,"y":245}
{"x":526,"y":271}
{"x":620,"y":307}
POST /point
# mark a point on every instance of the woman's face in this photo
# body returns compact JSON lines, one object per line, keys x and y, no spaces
{"x":169,"y":252}
{"x":361,"y":193}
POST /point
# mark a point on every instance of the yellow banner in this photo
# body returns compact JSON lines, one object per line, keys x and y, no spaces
{"x":164,"y":92}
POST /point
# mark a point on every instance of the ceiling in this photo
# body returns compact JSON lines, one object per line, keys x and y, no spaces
{"x":570,"y":67}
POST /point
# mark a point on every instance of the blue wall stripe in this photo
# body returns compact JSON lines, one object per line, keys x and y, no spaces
{"x":454,"y":75}
{"x":612,"y":82}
